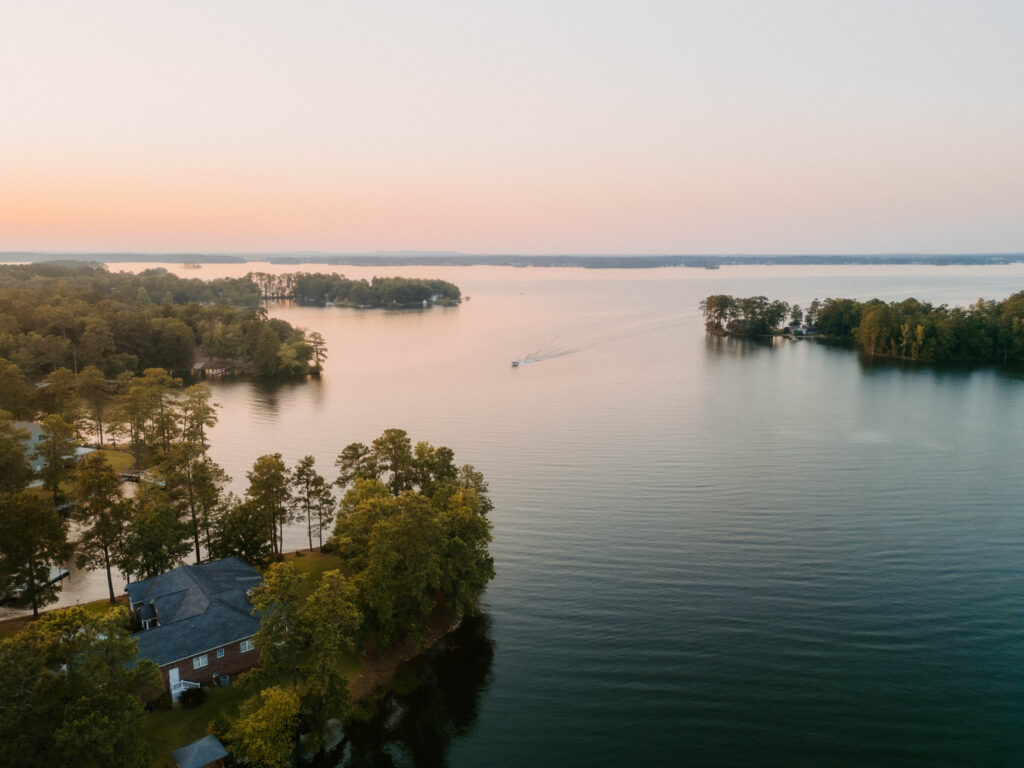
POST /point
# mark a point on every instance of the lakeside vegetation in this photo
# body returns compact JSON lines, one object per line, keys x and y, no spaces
{"x":987,"y":331}
{"x":406,"y":560}
{"x":73,"y":316}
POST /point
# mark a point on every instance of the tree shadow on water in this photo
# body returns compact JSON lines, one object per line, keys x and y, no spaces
{"x":433,"y":702}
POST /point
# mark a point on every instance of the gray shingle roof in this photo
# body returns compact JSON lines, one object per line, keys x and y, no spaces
{"x":199,"y":606}
{"x":199,"y":753}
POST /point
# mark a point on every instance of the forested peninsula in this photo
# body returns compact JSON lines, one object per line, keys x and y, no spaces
{"x":986,"y":331}
{"x":72,"y":315}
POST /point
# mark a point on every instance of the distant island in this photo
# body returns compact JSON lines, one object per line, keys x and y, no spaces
{"x":986,"y":331}
{"x":586,"y":261}
{"x":388,"y":292}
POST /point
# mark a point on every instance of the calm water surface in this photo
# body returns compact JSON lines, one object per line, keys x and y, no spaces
{"x":709,"y":552}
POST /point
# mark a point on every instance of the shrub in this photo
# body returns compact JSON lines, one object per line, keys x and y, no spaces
{"x":193,"y":697}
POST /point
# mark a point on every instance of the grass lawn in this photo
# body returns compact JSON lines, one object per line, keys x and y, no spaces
{"x":314,"y":564}
{"x":167,"y":729}
{"x":119,"y":460}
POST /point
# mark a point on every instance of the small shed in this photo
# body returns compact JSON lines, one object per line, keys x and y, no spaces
{"x":206,"y":752}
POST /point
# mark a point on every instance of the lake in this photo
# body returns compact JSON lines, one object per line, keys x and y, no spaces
{"x":708,"y":551}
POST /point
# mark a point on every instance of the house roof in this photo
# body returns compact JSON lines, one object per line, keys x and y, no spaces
{"x":199,"y":753}
{"x":199,"y":607}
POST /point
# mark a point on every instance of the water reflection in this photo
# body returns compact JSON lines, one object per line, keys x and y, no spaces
{"x":736,"y":347}
{"x":437,"y":700}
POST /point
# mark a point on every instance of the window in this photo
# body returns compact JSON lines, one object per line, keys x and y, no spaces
{"x":200,"y":661}
{"x":247,"y":645}
{"x":220,"y":653}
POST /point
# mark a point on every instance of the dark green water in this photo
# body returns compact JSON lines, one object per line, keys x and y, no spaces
{"x":709,"y":552}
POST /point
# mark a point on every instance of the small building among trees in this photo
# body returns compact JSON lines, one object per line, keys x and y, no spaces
{"x":196,"y":623}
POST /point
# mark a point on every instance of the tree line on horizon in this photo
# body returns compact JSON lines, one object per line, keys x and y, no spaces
{"x":986,"y":331}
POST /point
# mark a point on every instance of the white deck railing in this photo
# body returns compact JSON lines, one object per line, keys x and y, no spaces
{"x":180,"y":687}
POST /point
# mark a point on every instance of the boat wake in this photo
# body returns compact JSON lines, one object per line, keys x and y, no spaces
{"x":587,"y":335}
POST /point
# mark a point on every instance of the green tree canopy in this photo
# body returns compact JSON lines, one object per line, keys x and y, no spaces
{"x":263,"y":736}
{"x":70,"y":685}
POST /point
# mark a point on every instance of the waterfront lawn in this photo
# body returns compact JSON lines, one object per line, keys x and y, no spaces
{"x":119,"y":460}
{"x":314,"y":564}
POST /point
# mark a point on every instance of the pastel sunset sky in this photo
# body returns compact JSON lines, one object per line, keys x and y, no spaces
{"x":520,"y":126}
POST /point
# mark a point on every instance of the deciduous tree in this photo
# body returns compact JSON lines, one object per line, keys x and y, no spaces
{"x":70,"y":685}
{"x":263,"y":736}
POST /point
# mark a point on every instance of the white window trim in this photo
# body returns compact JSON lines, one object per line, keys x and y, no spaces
{"x":247,"y":645}
{"x":220,"y":653}
{"x":198,"y":662}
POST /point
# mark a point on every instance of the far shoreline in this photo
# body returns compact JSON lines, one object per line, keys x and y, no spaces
{"x":583,"y":261}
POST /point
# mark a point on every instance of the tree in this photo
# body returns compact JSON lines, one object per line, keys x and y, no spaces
{"x":330,"y":619}
{"x":319,"y":349}
{"x":265,"y":356}
{"x":278,"y":601}
{"x":268,"y":491}
{"x":197,"y":413}
{"x":241,"y":531}
{"x":263,"y":736}
{"x":70,"y":685}
{"x":103,"y":511}
{"x":416,"y":545}
{"x":466,"y":564}
{"x":155,"y":539}
{"x":364,"y":505}
{"x":331,"y":616}
{"x":717,"y":310}
{"x":15,"y":469}
{"x":94,"y":393}
{"x":56,"y":449}
{"x":15,"y":393}
{"x":403,"y":570}
{"x":195,"y":482}
{"x":148,"y":409}
{"x":393,"y":453}
{"x":312,"y":495}
{"x":33,"y":536}
{"x":60,"y":395}
{"x":356,"y":461}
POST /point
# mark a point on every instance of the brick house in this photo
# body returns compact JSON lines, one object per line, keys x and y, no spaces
{"x":196,"y":622}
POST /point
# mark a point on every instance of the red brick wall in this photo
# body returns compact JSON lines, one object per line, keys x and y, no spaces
{"x":234,"y":661}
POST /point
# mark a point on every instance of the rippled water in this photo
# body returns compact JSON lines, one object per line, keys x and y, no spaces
{"x":708,"y":551}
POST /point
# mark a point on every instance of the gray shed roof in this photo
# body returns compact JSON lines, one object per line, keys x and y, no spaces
{"x":199,"y":606}
{"x":199,"y":753}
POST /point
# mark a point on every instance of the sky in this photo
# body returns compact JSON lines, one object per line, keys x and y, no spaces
{"x":552,"y":126}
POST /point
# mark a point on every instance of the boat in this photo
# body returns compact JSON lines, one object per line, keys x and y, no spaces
{"x":515,"y":363}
